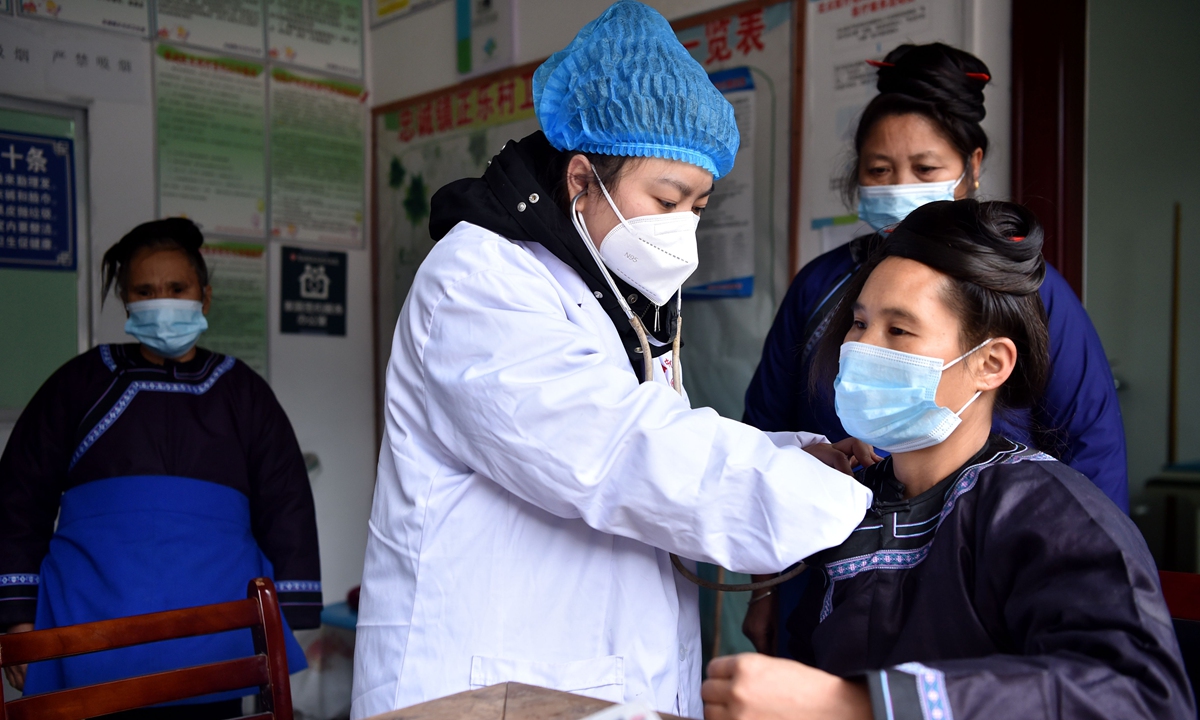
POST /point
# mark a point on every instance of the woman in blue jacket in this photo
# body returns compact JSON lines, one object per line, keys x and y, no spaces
{"x":919,"y":141}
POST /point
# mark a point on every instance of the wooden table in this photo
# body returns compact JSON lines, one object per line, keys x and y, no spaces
{"x":506,"y":701}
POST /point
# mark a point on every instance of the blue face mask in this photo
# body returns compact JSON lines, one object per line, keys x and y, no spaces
{"x":886,"y":397}
{"x":881,"y":206}
{"x":169,"y":327}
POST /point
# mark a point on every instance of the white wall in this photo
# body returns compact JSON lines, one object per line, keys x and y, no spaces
{"x":1142,"y":150}
{"x":324,"y":384}
{"x":415,"y":54}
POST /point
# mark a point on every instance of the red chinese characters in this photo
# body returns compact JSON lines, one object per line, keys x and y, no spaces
{"x":750,"y":30}
{"x":716,"y":33}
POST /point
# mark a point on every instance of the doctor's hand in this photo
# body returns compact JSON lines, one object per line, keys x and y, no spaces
{"x":756,"y":687}
{"x":845,"y":455}
{"x":15,"y":674}
{"x":857,"y":452}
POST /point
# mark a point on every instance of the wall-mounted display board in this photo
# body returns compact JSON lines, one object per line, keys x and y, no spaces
{"x":237,"y":319}
{"x":385,"y":11}
{"x":424,"y":143}
{"x":37,"y":201}
{"x":129,"y":16}
{"x":211,"y":115}
{"x":317,"y":151}
{"x":312,"y":291}
{"x":841,"y":35}
{"x":221,"y":25}
{"x":324,"y":35}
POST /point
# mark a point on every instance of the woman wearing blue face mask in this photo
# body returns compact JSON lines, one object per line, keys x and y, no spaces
{"x":988,"y":580}
{"x":174,"y":475}
{"x":919,"y":141}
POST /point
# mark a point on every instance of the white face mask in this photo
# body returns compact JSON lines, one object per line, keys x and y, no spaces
{"x":654,"y":253}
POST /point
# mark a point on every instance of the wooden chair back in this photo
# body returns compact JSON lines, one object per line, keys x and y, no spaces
{"x":267,"y":668}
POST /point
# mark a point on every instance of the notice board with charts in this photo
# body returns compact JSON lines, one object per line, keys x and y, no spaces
{"x":747,"y":235}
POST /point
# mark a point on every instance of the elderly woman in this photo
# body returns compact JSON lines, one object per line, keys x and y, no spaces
{"x":538,"y":466}
{"x":174,"y":476}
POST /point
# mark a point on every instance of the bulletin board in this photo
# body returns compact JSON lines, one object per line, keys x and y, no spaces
{"x":748,"y":236}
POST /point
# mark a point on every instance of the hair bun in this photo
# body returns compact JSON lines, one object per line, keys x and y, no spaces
{"x":182,"y":230}
{"x":936,"y":73}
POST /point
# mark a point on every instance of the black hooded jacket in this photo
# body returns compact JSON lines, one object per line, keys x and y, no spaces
{"x":515,"y":199}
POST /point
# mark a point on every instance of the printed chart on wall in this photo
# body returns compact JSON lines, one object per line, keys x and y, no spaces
{"x":841,"y":36}
{"x":421,"y":145}
{"x":743,"y":234}
{"x":237,"y":319}
{"x":211,"y":112}
{"x":130,"y":16}
{"x":221,"y":25}
{"x":317,"y":128}
{"x":324,"y":35}
{"x":384,"y":11}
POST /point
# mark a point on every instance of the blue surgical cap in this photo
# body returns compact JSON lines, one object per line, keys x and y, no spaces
{"x":626,"y":86}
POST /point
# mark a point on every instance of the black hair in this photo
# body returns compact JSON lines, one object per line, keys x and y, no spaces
{"x":992,"y":254}
{"x":608,"y":167}
{"x":938,"y":82}
{"x":171,"y":234}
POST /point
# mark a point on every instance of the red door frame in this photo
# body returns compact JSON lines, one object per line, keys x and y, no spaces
{"x":1049,"y":74}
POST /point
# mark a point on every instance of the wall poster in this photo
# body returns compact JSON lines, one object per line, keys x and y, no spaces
{"x":424,"y":143}
{"x":221,"y":25}
{"x":237,"y":319}
{"x":317,"y":129}
{"x":128,"y":16}
{"x":312,"y":291}
{"x":37,"y":202}
{"x":324,"y":35}
{"x":841,"y":36}
{"x":211,"y":112}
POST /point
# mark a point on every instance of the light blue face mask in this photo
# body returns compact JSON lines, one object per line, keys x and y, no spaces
{"x":886,"y":397}
{"x":881,"y":206}
{"x":169,"y":327}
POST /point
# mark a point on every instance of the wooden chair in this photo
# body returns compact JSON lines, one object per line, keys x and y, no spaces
{"x":267,"y":668}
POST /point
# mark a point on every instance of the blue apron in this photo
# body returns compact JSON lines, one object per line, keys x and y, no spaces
{"x":141,"y":544}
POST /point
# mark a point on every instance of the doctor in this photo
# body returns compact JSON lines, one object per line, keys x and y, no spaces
{"x":537,"y":466}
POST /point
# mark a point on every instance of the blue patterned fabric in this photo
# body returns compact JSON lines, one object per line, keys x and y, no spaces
{"x":626,"y":86}
{"x":128,"y":546}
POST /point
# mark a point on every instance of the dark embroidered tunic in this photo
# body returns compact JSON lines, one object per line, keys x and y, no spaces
{"x":1011,"y":589}
{"x":111,"y":414}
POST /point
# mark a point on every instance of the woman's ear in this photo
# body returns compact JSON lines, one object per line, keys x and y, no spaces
{"x":994,"y":364}
{"x":206,"y":299}
{"x":579,"y":179}
{"x":976,"y":164}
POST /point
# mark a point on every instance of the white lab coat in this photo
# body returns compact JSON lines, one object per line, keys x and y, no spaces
{"x":530,"y":490}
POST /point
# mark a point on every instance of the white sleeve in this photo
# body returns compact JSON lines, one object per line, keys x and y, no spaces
{"x":796,"y":439}
{"x":525,"y":397}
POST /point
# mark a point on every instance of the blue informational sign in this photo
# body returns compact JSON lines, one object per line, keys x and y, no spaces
{"x":37,"y":202}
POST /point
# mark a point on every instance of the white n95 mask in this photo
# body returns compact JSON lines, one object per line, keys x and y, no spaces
{"x":654,"y":253}
{"x":886,"y":397}
{"x":883,"y":205}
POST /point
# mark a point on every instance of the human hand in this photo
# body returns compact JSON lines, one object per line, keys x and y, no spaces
{"x":757,"y":687}
{"x":15,"y":674}
{"x":831,"y":456}
{"x":857,"y":452}
{"x":760,"y":623}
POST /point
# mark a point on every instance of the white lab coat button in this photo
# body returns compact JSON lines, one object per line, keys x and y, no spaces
{"x":682,"y":652}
